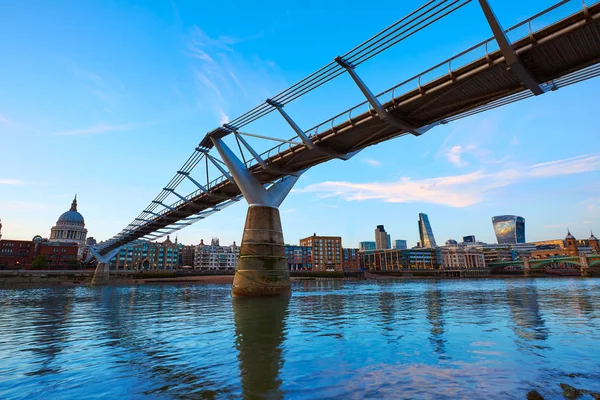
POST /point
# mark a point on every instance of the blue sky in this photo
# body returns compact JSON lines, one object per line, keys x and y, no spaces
{"x":107,"y":100}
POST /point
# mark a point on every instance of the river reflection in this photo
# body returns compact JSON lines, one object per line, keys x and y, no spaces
{"x":260,"y":332}
{"x":406,"y":339}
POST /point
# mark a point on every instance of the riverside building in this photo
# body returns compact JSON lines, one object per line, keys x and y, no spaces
{"x":215,"y":257}
{"x":145,"y":255}
{"x":299,"y":258}
{"x":326,"y":252}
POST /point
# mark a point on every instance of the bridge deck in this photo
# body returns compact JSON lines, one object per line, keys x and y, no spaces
{"x":552,"y":53}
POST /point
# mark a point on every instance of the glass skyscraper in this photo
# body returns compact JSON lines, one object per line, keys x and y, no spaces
{"x":509,"y":229}
{"x":425,"y":232}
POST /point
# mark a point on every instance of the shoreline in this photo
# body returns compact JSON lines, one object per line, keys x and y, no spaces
{"x":83,"y":278}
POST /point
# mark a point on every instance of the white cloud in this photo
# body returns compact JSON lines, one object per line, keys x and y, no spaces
{"x":7,"y":181}
{"x":373,"y":163}
{"x":100,"y":128}
{"x":454,"y":156}
{"x":454,"y":191}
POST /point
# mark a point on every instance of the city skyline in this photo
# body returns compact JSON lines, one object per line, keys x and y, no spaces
{"x":88,"y":118}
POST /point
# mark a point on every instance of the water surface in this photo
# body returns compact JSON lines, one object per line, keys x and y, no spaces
{"x":331,"y":339}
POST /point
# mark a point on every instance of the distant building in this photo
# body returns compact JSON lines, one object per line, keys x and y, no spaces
{"x":20,"y":254}
{"x":454,"y":257}
{"x":469,"y":239}
{"x":299,"y":258}
{"x":451,"y":242}
{"x":362,"y":246}
{"x":509,"y":229}
{"x":382,"y":239}
{"x":70,"y":228}
{"x":390,"y":260}
{"x":425,"y":232}
{"x":400,"y":244}
{"x":90,"y":241}
{"x":326,"y":252}
{"x":350,"y":260}
{"x":186,"y":254}
{"x":216,"y":258}
{"x":146,"y":255}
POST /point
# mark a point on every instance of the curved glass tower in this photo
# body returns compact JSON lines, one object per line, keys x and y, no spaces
{"x":509,"y":229}
{"x":425,"y":232}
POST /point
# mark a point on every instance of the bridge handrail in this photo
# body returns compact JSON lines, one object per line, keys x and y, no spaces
{"x":313,"y":132}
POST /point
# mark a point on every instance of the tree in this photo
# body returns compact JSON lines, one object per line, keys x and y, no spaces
{"x":73,"y":264}
{"x":40,"y":261}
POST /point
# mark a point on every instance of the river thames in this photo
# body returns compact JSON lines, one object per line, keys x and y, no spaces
{"x":488,"y":338}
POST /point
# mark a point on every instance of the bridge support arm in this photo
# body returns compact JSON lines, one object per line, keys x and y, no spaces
{"x":254,"y":192}
{"x":382,"y":113}
{"x":511,"y":58}
{"x":101,"y":274}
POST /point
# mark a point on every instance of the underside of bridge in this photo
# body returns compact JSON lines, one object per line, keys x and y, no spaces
{"x":563,"y":53}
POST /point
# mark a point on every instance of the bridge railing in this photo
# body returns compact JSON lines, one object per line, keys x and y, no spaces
{"x":419,"y":19}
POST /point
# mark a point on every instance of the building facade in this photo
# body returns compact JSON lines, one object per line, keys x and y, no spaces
{"x":363,"y":246}
{"x":215,"y":257}
{"x":400,"y":244}
{"x":299,"y":258}
{"x":350,"y":260}
{"x":382,"y":239}
{"x":391,"y":260}
{"x":145,"y":255}
{"x":37,"y":253}
{"x":186,"y":255}
{"x":326,"y":252}
{"x":509,"y":229}
{"x":425,"y":232}
{"x":462,"y":257}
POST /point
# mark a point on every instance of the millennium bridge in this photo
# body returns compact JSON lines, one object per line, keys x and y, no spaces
{"x":555,"y":48}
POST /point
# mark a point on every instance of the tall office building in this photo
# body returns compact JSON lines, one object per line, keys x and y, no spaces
{"x":509,"y":229}
{"x":469,"y":239}
{"x":400,"y":244}
{"x":382,"y":239}
{"x":425,"y":232}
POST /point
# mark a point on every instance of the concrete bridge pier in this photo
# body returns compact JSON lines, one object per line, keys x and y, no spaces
{"x":101,"y":274}
{"x":587,"y":270}
{"x":527,"y":267}
{"x":262,"y":265}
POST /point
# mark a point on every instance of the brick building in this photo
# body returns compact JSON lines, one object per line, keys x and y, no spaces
{"x":326,"y":252}
{"x":350,"y":259}
{"x":299,"y":258}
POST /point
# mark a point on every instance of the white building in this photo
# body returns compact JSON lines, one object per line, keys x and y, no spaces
{"x":216,"y":258}
{"x":455,"y":257}
{"x":70,"y":228}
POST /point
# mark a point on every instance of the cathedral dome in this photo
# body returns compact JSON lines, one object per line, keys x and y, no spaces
{"x":70,"y":227}
{"x":71,"y":217}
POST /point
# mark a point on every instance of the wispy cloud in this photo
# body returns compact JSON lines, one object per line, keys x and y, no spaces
{"x":222,"y":73}
{"x":15,"y":182}
{"x":100,"y":87}
{"x":592,"y":203}
{"x":100,"y":128}
{"x":454,"y":191}
{"x":373,"y":163}
{"x":4,"y":120}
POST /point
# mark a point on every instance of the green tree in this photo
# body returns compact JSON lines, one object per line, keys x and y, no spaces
{"x":73,"y":264}
{"x":40,"y":261}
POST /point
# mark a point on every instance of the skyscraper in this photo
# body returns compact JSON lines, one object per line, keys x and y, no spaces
{"x":425,"y":232}
{"x":509,"y":229}
{"x":381,"y":238}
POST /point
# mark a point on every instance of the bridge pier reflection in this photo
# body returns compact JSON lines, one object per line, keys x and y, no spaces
{"x":260,"y":332}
